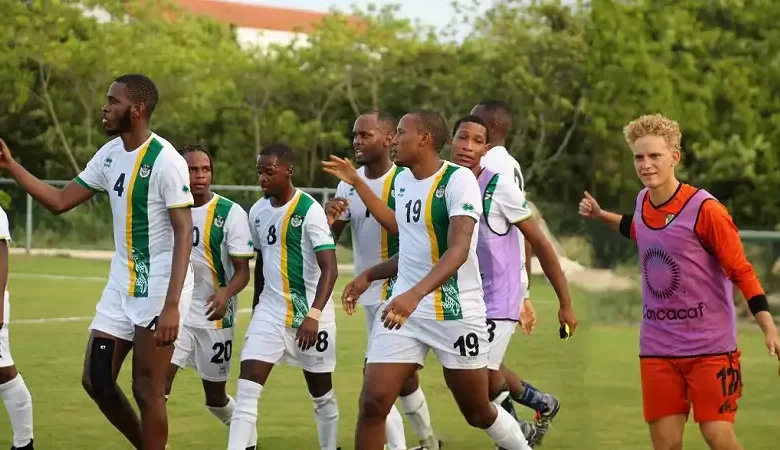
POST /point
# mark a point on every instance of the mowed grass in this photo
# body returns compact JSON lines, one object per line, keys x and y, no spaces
{"x":595,"y":374}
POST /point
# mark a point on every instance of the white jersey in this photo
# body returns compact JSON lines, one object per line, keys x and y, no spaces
{"x":142,"y":185}
{"x":501,"y":162}
{"x":220,"y":232}
{"x":5,"y":235}
{"x":288,"y":238}
{"x":424,"y":209}
{"x":508,"y":206}
{"x":498,"y":160}
{"x":371,"y":243}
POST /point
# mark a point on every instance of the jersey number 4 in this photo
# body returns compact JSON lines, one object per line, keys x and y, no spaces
{"x":119,"y":186}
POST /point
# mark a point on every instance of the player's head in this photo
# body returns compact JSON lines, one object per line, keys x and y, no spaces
{"x":372,"y":135}
{"x":275,"y":169}
{"x":470,"y":138}
{"x":418,"y":133}
{"x":655,"y":141}
{"x":131,"y":99}
{"x":498,"y":116}
{"x":201,"y":166}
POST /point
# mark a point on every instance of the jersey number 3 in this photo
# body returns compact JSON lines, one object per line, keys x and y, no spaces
{"x":119,"y":186}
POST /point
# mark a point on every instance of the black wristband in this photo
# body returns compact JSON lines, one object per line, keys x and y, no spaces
{"x":758,"y":303}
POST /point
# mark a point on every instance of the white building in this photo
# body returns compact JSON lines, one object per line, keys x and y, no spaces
{"x":256,"y":25}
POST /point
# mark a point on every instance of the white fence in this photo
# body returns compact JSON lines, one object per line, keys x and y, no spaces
{"x":322,"y":193}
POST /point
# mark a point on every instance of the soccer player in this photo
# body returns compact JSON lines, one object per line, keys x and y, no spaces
{"x":221,"y":250}
{"x":293,"y":319}
{"x":16,"y":396}
{"x":372,"y":243}
{"x":505,"y":215}
{"x":437,"y":297}
{"x":690,"y":253}
{"x":498,"y":117}
{"x":150,"y":284}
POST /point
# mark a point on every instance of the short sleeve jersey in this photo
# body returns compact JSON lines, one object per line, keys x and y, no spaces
{"x":5,"y":235}
{"x":142,"y":185}
{"x":220,"y":232}
{"x":288,"y":238}
{"x":371,"y":243}
{"x":500,"y":161}
{"x":423,"y":212}
{"x":505,"y":205}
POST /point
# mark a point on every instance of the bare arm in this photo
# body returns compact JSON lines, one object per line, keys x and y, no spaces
{"x":259,"y":279}
{"x":545,"y":251}
{"x":381,"y":212}
{"x":3,"y":277}
{"x":337,"y":228}
{"x":458,"y":242}
{"x":240,"y":277}
{"x":181,"y":220}
{"x":528,"y":260}
{"x":384,"y":270}
{"x":329,"y":271}
{"x":611,"y":219}
{"x":55,"y":200}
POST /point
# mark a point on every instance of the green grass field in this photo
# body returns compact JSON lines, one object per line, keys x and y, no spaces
{"x":595,"y":374}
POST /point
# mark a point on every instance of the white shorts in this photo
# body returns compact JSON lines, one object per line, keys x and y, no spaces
{"x":207,"y":350}
{"x":118,"y":313}
{"x":272,"y":342}
{"x":499,"y":334}
{"x":5,"y":348}
{"x":458,"y":344}
{"x":370,"y":312}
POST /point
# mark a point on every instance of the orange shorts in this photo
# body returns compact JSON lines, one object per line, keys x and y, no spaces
{"x":712,"y":385}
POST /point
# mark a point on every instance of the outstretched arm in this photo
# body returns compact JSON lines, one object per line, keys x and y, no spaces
{"x":55,"y":200}
{"x":548,"y":259}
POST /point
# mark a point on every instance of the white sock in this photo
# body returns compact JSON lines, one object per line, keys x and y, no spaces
{"x":394,"y":430}
{"x":18,"y":403}
{"x":223,"y":413}
{"x":506,"y":432}
{"x":243,"y":424}
{"x":416,"y":410}
{"x":500,"y":398}
{"x":326,"y":414}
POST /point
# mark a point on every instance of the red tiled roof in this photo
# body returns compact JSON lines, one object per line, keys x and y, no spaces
{"x":254,"y":16}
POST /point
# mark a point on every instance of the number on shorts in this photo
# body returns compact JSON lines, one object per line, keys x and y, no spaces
{"x":735,"y":380}
{"x":271,"y":235}
{"x":468,"y":342}
{"x":491,"y":325}
{"x":223,"y":352}
{"x":195,"y":236}
{"x":322,"y":341}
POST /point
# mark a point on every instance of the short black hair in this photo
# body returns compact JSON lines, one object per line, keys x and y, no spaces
{"x":192,"y":148}
{"x":496,"y":106}
{"x":472,"y":119}
{"x":281,"y":151}
{"x":432,"y":122}
{"x":385,"y":119}
{"x":140,"y":89}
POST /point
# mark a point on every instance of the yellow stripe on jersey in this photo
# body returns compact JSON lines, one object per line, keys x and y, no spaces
{"x":437,"y":294}
{"x":283,"y":244}
{"x":207,"y":248}
{"x":129,"y":217}
{"x":383,"y":235}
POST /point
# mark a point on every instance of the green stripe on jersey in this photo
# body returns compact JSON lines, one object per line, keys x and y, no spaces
{"x":487,"y":198}
{"x":294,"y":243}
{"x":441,"y":223}
{"x":140,"y":219}
{"x":392,"y":239}
{"x":217,"y":237}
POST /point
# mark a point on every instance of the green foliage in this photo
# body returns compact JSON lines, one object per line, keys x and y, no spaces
{"x":574,"y":72}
